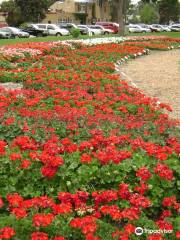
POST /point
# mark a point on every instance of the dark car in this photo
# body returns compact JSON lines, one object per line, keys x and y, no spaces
{"x":35,"y":31}
{"x":70,"y":26}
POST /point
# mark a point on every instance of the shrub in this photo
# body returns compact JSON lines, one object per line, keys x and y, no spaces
{"x":75,"y":32}
{"x":24,"y":25}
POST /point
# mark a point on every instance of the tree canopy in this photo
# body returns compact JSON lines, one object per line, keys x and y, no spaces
{"x":33,"y":10}
{"x":14,"y":13}
{"x":169,"y":10}
{"x":20,"y":11}
{"x":149,"y":14}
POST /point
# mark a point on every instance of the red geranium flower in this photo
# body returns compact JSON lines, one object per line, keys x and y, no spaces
{"x":39,"y":236}
{"x":19,"y":212}
{"x":143,"y":173}
{"x":2,"y":147}
{"x":86,"y":158}
{"x":6,"y":233}
{"x":177,"y":234}
{"x":42,"y":219}
{"x":1,"y":202}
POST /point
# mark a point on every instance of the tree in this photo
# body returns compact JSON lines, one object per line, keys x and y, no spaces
{"x":101,"y":4}
{"x":148,"y":14}
{"x":169,"y":10}
{"x":119,"y":10}
{"x":20,"y":11}
{"x":33,"y":10}
{"x":14,"y":16}
{"x":114,"y":10}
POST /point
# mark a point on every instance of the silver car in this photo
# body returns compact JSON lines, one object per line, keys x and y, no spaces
{"x":138,"y":29}
{"x":175,"y":28}
{"x":52,"y":29}
{"x":16,"y":32}
{"x":4,"y":34}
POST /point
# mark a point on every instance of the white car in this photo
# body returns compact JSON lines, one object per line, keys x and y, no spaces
{"x":102,"y":30}
{"x":4,"y":34}
{"x":16,"y":32}
{"x":89,"y":30}
{"x":138,"y":29}
{"x":175,"y":27}
{"x":95,"y":30}
{"x":53,"y":29}
{"x":165,"y":28}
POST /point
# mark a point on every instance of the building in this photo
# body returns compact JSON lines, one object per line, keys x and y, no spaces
{"x":3,"y":19}
{"x":77,"y":11}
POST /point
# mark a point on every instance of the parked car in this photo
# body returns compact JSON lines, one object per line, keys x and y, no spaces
{"x":101,"y":29}
{"x":155,"y":28}
{"x":89,"y":31}
{"x":16,"y":32}
{"x":143,"y":25}
{"x":6,"y":34}
{"x":138,"y":29}
{"x":165,"y":28}
{"x":96,"y":30}
{"x":109,"y":25}
{"x":53,"y":29}
{"x":175,"y":28}
{"x":70,"y":26}
{"x":34,"y":31}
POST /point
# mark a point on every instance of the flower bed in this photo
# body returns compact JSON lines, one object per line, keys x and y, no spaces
{"x":84,"y":155}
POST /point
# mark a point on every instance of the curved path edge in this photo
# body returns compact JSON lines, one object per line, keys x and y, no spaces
{"x":158,"y":76}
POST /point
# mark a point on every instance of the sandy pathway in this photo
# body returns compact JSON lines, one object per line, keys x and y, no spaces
{"x":158,"y":75}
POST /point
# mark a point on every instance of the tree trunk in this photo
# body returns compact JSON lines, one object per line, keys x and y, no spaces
{"x":101,"y":7}
{"x":101,"y":14}
{"x":119,"y":6}
{"x":114,"y":13}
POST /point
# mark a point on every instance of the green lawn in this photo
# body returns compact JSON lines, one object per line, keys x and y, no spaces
{"x":48,"y":39}
{"x":53,"y":38}
{"x":169,"y":34}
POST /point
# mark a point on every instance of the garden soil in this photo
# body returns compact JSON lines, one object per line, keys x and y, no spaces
{"x":157,"y":75}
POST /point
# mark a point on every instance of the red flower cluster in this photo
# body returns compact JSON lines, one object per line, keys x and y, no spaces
{"x":139,"y":200}
{"x":6,"y":233}
{"x":42,"y":219}
{"x":39,"y":236}
{"x":1,"y":202}
{"x":2,"y":147}
{"x":143,"y":173}
{"x":86,"y":224}
{"x":164,"y":172}
{"x":124,"y":235}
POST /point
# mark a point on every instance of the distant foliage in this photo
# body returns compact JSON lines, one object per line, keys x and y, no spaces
{"x":148,"y":14}
{"x":169,"y":10}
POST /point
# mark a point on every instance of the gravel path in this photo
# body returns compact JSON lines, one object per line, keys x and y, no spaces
{"x":157,"y":75}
